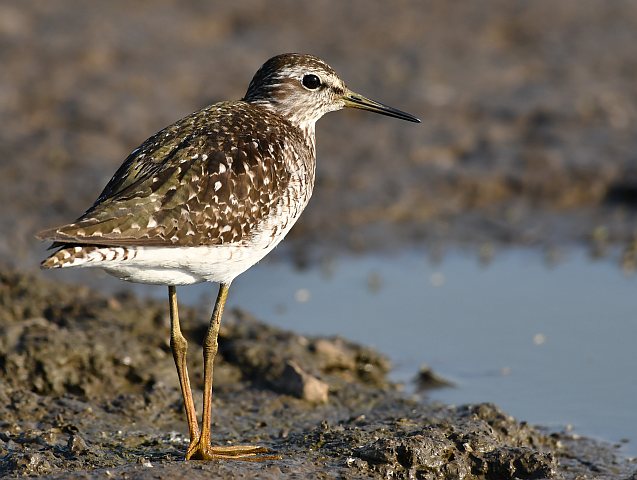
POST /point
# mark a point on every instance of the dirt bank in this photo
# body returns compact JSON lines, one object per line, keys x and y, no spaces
{"x":89,"y":387}
{"x":529,"y":112}
{"x":528,"y":138}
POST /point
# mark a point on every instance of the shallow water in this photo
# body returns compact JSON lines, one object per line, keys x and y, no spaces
{"x":552,"y":345}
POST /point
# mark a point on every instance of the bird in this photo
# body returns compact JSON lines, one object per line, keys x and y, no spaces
{"x":206,"y":198}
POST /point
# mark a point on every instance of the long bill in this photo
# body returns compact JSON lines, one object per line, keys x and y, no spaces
{"x":354,"y":100}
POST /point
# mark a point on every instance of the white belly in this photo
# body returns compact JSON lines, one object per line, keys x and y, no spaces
{"x":187,"y":265}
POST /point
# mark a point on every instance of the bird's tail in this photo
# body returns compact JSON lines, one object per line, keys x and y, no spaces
{"x":86,"y":255}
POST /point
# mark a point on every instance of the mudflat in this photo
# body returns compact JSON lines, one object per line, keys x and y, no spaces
{"x":528,"y":138}
{"x":89,"y":390}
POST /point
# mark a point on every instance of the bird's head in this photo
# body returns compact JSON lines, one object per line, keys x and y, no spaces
{"x":303,"y":88}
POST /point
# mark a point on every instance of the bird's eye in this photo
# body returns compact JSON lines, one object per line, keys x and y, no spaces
{"x":311,"y":81}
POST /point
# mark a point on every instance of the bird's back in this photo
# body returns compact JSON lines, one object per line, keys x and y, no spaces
{"x":215,"y":177}
{"x":202,"y":200}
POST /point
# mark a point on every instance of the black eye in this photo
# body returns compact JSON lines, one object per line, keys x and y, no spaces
{"x":311,"y":81}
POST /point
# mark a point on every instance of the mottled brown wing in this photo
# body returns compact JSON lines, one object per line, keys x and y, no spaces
{"x":209,"y":179}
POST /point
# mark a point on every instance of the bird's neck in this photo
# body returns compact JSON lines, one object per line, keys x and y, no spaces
{"x":308,"y":134}
{"x":305,"y":124}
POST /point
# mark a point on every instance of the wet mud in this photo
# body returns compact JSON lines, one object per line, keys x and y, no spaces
{"x":528,"y":110}
{"x":89,"y":389}
{"x":528,"y":138}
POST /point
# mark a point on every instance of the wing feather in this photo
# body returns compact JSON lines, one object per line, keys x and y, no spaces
{"x":209,"y":179}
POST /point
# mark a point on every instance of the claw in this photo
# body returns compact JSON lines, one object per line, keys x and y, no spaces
{"x":249,"y":453}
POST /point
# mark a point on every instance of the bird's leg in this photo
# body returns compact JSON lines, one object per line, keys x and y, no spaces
{"x":179,"y":347}
{"x":202,"y":450}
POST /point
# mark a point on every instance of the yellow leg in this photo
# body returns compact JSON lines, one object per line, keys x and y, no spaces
{"x":179,"y":347}
{"x":202,"y":450}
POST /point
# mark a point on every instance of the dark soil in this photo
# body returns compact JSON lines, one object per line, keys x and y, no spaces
{"x":89,"y":389}
{"x":529,"y":136}
{"x":529,"y":112}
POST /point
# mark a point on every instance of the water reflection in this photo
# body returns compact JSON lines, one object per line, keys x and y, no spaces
{"x":547,"y":336}
{"x":550,"y":337}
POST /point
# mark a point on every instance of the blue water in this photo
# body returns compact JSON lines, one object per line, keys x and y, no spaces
{"x":552,"y":345}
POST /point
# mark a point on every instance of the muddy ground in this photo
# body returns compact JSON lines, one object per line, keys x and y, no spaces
{"x":529,"y":136}
{"x":89,"y":390}
{"x":529,"y":112}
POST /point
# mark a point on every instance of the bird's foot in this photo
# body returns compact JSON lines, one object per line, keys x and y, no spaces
{"x":250,"y":453}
